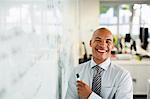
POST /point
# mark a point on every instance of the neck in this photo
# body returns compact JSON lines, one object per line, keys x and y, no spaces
{"x":97,"y":61}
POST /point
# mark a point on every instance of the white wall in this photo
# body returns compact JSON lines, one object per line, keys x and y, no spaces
{"x":88,"y":19}
{"x":38,"y":48}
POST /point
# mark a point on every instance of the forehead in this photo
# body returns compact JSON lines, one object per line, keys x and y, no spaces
{"x":103,"y":34}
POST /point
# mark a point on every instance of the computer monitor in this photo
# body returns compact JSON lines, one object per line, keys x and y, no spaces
{"x":127,"y":38}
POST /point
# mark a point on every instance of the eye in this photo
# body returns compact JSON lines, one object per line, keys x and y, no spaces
{"x":98,"y":40}
{"x":108,"y":41}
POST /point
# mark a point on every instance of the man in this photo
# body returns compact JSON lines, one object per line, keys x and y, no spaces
{"x":99,"y":78}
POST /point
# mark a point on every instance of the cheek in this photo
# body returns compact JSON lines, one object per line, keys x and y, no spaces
{"x":110,"y":47}
{"x":93,"y":45}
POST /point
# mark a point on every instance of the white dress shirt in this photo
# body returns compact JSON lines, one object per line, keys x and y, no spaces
{"x":116,"y":81}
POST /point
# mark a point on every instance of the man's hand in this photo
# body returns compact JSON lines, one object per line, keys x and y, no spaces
{"x":83,"y":89}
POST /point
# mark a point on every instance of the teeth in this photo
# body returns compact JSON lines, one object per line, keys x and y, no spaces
{"x":102,"y":51}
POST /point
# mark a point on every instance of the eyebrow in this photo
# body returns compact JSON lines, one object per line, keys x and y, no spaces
{"x":109,"y":39}
{"x":97,"y":38}
{"x":106,"y":39}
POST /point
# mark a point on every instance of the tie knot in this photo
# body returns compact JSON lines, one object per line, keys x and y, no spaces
{"x":97,"y":69}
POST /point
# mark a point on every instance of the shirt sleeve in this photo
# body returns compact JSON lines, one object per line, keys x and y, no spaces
{"x":125,"y":88}
{"x":72,"y":89}
{"x":94,"y":96}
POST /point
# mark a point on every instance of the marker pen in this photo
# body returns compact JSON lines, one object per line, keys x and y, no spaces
{"x":78,"y":77}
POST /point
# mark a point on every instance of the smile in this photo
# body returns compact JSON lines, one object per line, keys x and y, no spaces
{"x":101,"y":50}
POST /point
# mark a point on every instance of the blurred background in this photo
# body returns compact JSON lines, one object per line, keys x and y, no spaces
{"x":41,"y":41}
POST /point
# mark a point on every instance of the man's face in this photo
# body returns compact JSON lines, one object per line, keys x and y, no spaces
{"x":102,"y":44}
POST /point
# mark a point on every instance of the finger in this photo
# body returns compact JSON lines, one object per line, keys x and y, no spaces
{"x":79,"y":91}
{"x":80,"y":87}
{"x":80,"y":83}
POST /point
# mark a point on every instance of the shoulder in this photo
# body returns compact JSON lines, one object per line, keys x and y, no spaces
{"x":119,"y":72}
{"x":123,"y":76}
{"x":118,"y":68}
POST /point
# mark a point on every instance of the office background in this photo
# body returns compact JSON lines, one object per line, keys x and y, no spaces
{"x":40,"y":42}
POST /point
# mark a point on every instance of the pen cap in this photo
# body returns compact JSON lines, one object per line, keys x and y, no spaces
{"x":78,"y":77}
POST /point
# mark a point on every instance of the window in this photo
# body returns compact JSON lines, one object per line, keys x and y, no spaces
{"x":124,"y":18}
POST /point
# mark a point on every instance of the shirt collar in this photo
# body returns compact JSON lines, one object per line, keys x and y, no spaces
{"x":103,"y":65}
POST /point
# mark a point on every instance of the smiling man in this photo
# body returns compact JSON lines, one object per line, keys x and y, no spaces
{"x":99,"y":78}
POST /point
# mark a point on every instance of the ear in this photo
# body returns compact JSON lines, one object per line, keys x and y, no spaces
{"x":90,"y":43}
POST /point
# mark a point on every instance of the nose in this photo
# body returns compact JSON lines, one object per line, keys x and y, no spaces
{"x":103,"y":43}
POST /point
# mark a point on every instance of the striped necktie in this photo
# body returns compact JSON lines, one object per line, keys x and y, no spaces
{"x":96,"y":83}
